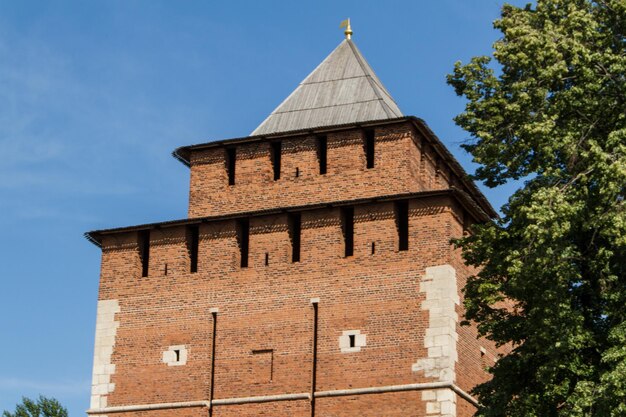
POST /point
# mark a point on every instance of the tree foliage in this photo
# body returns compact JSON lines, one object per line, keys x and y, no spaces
{"x":552,"y":283}
{"x":43,"y":407}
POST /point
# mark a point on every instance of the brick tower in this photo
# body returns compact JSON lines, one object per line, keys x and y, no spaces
{"x":314,"y":275}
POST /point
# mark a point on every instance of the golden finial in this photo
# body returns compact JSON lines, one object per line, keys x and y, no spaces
{"x":348,"y":31}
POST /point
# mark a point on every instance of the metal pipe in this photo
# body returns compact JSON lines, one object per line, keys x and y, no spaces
{"x":147,"y":407}
{"x":211,"y":388}
{"x":379,"y":390}
{"x":261,"y":399}
{"x":314,"y":303}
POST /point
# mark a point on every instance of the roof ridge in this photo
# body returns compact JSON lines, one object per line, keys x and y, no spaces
{"x":367,"y":68}
{"x":369,"y":78}
{"x":294,"y":91}
{"x":383,"y":89}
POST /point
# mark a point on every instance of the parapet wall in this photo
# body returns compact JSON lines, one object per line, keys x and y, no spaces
{"x":398,"y":163}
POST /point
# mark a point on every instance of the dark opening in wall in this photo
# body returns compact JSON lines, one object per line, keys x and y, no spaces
{"x":369,"y":147}
{"x":275,"y":151}
{"x":143,"y":240}
{"x":402,"y":224}
{"x":243,"y":237}
{"x":193,"y":240}
{"x":467,"y":222}
{"x":347,"y":225}
{"x":177,"y":353}
{"x":267,"y":258}
{"x":165,"y":270}
{"x":352,"y":340}
{"x":231,"y":158}
{"x":295,"y":226}
{"x":373,"y":248}
{"x":297,"y":172}
{"x":322,"y":153}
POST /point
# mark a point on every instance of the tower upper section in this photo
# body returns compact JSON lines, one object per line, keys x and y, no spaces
{"x":322,"y":166}
{"x":338,"y":136}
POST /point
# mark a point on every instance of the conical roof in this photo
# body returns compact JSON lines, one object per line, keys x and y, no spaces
{"x":342,"y":89}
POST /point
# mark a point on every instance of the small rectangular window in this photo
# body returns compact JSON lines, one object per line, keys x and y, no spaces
{"x":231,"y":158}
{"x":243,"y":237}
{"x":352,"y":340}
{"x":144,"y":251}
{"x":369,"y":148}
{"x":402,"y":224}
{"x":276,"y":148}
{"x":295,"y":226}
{"x":347,"y":224}
{"x":322,"y":153}
{"x":193,"y":240}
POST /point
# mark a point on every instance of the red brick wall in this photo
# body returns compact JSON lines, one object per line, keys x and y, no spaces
{"x":395,"y":171}
{"x":267,"y":307}
{"x":393,"y":404}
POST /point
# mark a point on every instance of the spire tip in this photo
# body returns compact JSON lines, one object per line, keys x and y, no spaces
{"x":348,"y":31}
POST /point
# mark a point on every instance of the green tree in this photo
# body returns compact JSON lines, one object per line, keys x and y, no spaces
{"x":551,"y":110}
{"x":43,"y":407}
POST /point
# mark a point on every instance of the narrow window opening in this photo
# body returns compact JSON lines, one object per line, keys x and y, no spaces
{"x":267,"y":258}
{"x":295,"y":230}
{"x":352,"y":340}
{"x":231,"y":158}
{"x":276,"y":148}
{"x":373,"y":248}
{"x":165,"y":270}
{"x":297,"y":172}
{"x":144,"y":251}
{"x":402,"y":224}
{"x":177,"y":353}
{"x":193,"y":240}
{"x":369,"y":148}
{"x":467,"y":223}
{"x":243,"y":235}
{"x":322,"y":153}
{"x":347,"y":222}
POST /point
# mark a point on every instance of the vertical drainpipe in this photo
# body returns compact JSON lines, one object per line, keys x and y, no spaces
{"x":214,"y":312}
{"x":314,"y":303}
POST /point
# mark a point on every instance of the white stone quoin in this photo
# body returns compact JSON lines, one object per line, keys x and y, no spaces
{"x":106,"y":329}
{"x":439,"y":284}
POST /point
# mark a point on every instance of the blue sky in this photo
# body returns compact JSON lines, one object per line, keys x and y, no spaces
{"x":95,"y":95}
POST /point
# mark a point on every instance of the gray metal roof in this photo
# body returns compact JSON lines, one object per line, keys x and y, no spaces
{"x":342,"y":89}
